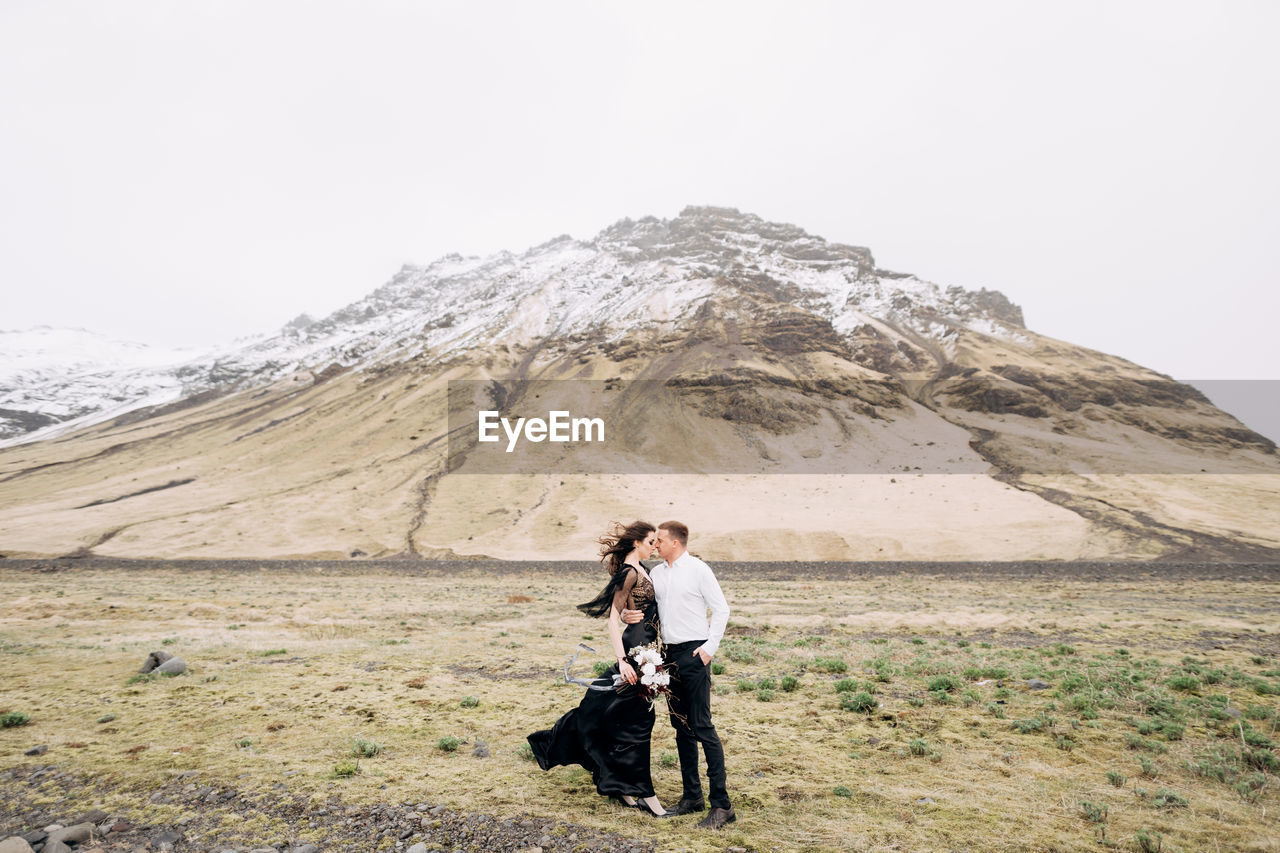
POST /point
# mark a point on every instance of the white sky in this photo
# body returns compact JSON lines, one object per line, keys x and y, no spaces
{"x":178,"y":172}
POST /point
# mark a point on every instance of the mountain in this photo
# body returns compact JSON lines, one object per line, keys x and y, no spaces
{"x":51,"y":378}
{"x":781,"y":394}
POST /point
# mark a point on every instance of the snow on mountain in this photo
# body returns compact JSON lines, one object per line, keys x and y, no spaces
{"x":45,"y":351}
{"x":651,"y":272}
{"x":648,"y":272}
{"x":52,"y":378}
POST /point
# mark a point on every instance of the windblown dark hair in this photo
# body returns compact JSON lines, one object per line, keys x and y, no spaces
{"x":614,"y":548}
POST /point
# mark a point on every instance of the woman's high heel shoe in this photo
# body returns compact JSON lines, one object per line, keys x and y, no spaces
{"x":644,"y":807}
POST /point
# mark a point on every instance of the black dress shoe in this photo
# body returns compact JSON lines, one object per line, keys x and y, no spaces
{"x":717,"y":818}
{"x":687,"y":807}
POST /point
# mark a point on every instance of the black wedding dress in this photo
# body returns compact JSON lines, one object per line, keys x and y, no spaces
{"x":609,"y":732}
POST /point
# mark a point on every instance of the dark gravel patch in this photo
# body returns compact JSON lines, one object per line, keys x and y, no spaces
{"x":331,"y":826}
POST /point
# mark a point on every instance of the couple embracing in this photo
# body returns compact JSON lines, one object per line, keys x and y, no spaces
{"x":610,"y":730}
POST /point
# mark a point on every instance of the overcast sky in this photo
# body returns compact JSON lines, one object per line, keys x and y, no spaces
{"x":182,"y":172}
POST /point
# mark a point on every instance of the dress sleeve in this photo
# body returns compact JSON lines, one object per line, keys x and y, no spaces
{"x":622,"y":596}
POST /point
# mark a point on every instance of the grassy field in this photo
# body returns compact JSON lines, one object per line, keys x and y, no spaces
{"x":875,"y":712}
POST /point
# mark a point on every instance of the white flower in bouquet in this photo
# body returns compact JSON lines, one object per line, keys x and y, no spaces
{"x":654,"y":678}
{"x":648,"y":656}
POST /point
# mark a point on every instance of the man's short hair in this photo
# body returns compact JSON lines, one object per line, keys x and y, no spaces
{"x":677,"y":530}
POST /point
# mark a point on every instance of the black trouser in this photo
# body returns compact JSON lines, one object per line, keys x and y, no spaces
{"x":690,"y":707}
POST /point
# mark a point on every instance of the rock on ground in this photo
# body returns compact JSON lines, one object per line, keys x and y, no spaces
{"x":173,"y":666}
{"x":154,"y":660}
{"x":76,"y":834}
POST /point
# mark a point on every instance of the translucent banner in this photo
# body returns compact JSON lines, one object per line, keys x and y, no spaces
{"x":746,"y":421}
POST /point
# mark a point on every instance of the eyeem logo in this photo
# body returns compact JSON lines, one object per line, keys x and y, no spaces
{"x":559,"y":426}
{"x":742,"y":421}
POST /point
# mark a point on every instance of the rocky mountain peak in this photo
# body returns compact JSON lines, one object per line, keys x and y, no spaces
{"x":991,"y":303}
{"x":300,"y":323}
{"x":723,"y":236}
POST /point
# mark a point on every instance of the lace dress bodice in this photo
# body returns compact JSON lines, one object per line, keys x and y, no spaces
{"x":643,"y":594}
{"x":636,"y":593}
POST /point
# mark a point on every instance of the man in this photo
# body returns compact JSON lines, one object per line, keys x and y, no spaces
{"x":686,"y":589}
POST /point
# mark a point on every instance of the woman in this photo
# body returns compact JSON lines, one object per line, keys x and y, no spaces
{"x":608,"y":733}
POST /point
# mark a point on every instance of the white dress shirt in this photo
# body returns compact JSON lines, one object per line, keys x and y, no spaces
{"x":686,"y":590}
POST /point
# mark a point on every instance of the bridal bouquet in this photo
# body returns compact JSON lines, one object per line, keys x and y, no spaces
{"x":655,"y":681}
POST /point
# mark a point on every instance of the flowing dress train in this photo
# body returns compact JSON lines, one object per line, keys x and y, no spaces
{"x":610,"y":730}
